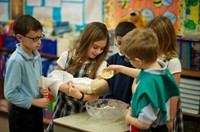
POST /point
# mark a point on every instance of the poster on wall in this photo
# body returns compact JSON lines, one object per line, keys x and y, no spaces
{"x":16,"y":8}
{"x":191,"y":21}
{"x":148,"y":8}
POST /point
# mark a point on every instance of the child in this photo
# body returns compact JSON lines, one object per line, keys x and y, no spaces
{"x":86,"y":60}
{"x":22,"y":78}
{"x":154,"y":86}
{"x":168,"y":52}
{"x":120,"y":84}
{"x":84,"y":84}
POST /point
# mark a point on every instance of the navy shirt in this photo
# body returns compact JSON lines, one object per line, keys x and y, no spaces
{"x":120,"y":84}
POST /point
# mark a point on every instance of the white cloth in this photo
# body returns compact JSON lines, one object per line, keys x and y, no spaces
{"x":57,"y":77}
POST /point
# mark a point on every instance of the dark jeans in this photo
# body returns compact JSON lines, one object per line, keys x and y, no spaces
{"x":25,"y":120}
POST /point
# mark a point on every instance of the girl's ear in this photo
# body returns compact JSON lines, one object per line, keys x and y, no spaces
{"x":19,"y":37}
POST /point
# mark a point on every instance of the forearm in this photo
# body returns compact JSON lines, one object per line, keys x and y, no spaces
{"x":63,"y":89}
{"x":85,"y":97}
{"x":136,"y":123}
{"x":173,"y":107}
{"x":132,"y":72}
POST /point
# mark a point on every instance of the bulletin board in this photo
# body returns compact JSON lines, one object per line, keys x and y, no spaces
{"x":184,"y":14}
{"x":77,"y":12}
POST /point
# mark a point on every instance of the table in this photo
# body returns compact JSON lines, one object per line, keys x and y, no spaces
{"x":82,"y":122}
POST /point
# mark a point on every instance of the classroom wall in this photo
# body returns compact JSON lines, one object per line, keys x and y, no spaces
{"x":185,"y":14}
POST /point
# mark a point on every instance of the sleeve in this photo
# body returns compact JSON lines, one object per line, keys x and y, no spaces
{"x":55,"y":79}
{"x":148,"y":114}
{"x":13,"y":84}
{"x":62,"y":59}
{"x":174,"y":66}
{"x":102,"y":66}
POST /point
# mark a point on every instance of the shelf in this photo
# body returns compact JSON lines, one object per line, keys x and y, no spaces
{"x":49,"y":56}
{"x":191,"y":115}
{"x":191,"y":73}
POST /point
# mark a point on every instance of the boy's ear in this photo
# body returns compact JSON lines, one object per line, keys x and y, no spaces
{"x":19,"y":37}
{"x":137,"y":60}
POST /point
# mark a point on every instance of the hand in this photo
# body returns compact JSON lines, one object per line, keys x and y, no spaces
{"x":65,"y":87}
{"x":170,"y":125}
{"x":44,"y":92}
{"x":114,"y":67}
{"x":41,"y":102}
{"x":74,"y":92}
{"x":128,"y":115}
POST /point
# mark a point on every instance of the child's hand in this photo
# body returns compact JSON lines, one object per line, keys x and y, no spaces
{"x":41,"y":102}
{"x":128,"y":115}
{"x":44,"y":92}
{"x":65,"y":87}
{"x":170,"y":126}
{"x":114,"y":67}
{"x":74,"y":92}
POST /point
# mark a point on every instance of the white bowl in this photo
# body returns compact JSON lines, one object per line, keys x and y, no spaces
{"x":106,"y":109}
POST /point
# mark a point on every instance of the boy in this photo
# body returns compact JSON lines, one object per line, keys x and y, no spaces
{"x":120,"y":84}
{"x":151,"y":93}
{"x":23,"y":76}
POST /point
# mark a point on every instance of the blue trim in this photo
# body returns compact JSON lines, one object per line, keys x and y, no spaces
{"x":57,"y":14}
{"x":29,"y":10}
{"x":103,"y":12}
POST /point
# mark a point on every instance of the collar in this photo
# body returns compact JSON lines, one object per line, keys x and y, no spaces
{"x":25,"y":55}
{"x":158,"y":70}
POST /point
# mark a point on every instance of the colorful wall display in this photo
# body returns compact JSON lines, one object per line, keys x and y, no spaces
{"x":184,"y":14}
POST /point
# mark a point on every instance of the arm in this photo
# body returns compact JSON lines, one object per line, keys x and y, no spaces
{"x":173,"y":105}
{"x":12,"y":86}
{"x":135,"y":122}
{"x":174,"y":100}
{"x":132,"y":72}
{"x":174,"y":67}
{"x":75,"y":92}
{"x":41,"y":102}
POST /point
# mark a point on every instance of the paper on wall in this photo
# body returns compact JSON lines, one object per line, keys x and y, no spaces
{"x":72,"y":12}
{"x":3,"y":10}
{"x":93,"y":10}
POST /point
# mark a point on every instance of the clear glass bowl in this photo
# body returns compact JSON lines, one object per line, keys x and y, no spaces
{"x":106,"y":109}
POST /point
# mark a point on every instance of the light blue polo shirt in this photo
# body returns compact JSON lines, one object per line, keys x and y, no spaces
{"x":22,"y":78}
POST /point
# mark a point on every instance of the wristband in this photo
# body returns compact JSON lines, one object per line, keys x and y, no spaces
{"x":82,"y":97}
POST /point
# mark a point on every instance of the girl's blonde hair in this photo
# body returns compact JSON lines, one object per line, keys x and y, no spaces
{"x":164,"y":29}
{"x":94,"y":31}
{"x":142,"y":44}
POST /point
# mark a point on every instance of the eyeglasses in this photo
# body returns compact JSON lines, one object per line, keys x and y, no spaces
{"x":36,"y":38}
{"x":118,"y":43}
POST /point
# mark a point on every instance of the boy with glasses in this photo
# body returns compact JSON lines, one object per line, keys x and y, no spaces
{"x":23,"y":72}
{"x":120,"y":84}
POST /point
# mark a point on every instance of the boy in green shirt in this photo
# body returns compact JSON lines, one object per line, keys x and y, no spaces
{"x":151,"y":94}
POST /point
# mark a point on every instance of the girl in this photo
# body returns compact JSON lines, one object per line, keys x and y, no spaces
{"x":87,"y":60}
{"x":164,"y":29}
